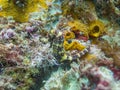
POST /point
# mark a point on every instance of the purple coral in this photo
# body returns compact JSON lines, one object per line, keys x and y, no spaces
{"x":7,"y":34}
{"x":29,"y":29}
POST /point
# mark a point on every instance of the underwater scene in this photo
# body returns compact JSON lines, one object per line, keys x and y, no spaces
{"x":59,"y":44}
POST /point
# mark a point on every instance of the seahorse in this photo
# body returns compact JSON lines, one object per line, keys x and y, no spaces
{"x":59,"y":51}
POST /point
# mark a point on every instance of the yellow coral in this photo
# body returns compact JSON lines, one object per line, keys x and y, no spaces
{"x":73,"y":45}
{"x":69,"y":35}
{"x":96,"y":28}
{"x":69,"y":43}
{"x":90,"y":57}
{"x":76,"y":26}
{"x":20,"y":9}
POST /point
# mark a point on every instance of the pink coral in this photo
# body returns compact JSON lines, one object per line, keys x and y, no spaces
{"x":102,"y":84}
{"x":116,"y":73}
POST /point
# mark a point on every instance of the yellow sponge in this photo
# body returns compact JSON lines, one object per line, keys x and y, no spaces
{"x":73,"y":45}
{"x":96,"y":28}
{"x":20,"y":9}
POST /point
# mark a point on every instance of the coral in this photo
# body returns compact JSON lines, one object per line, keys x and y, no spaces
{"x":9,"y":57}
{"x":73,"y":45}
{"x":105,"y":62}
{"x":20,"y":9}
{"x":116,"y":72}
{"x":5,"y":82}
{"x":77,"y":26}
{"x":103,"y":81}
{"x":79,"y":10}
{"x":7,"y":33}
{"x":69,"y":44}
{"x":90,"y":57}
{"x":112,"y":44}
{"x":3,"y":50}
{"x":115,"y":7}
{"x":96,"y":56}
{"x":108,"y":10}
{"x":67,"y":80}
{"x":14,"y":57}
{"x":82,"y":76}
{"x":96,"y":28}
{"x":42,"y":56}
{"x":52,"y":15}
{"x":102,"y":77}
{"x":21,"y":77}
{"x":30,"y":29}
{"x":111,"y":51}
{"x":69,"y":35}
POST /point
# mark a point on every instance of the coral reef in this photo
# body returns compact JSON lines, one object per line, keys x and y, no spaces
{"x":21,"y":76}
{"x":59,"y":45}
{"x":82,"y":77}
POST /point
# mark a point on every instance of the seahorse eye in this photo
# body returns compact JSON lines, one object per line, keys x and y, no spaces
{"x":69,"y":41}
